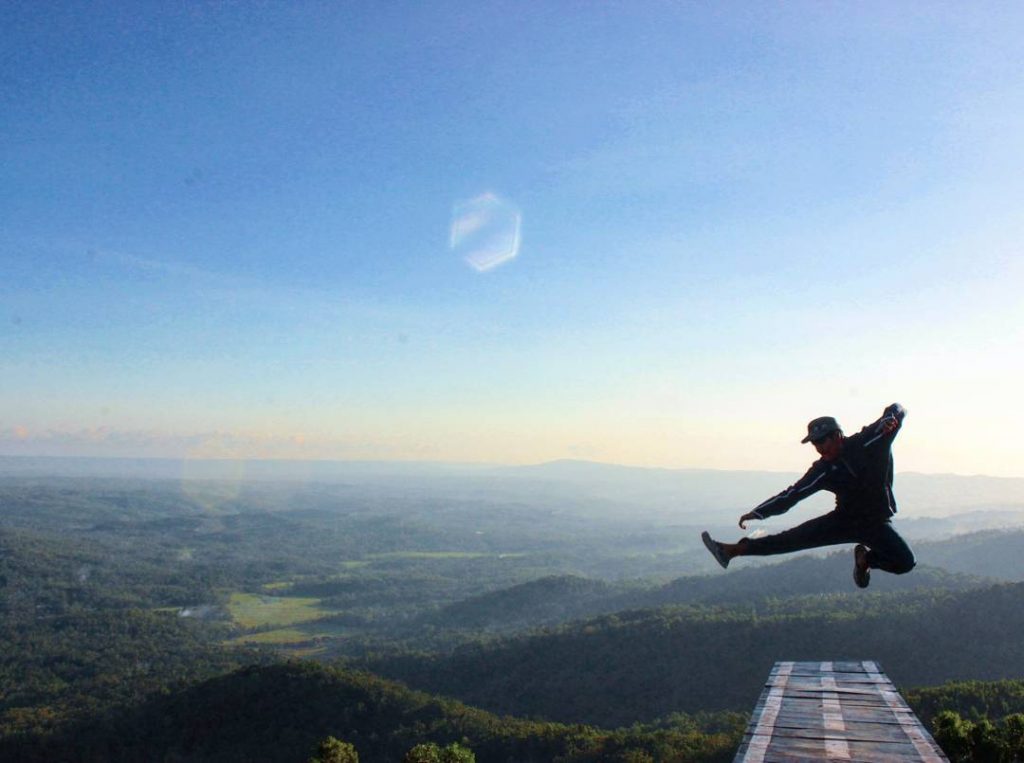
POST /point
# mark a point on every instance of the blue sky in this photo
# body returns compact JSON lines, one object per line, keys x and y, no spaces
{"x":225,"y":230}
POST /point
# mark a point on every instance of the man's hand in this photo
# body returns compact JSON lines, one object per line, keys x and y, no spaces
{"x":890,"y":424}
{"x":748,"y":517}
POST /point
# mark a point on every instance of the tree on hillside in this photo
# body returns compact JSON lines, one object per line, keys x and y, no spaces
{"x":980,"y":741}
{"x":1013,"y":733}
{"x":432,"y":753}
{"x":332,"y":750}
{"x":953,"y":734}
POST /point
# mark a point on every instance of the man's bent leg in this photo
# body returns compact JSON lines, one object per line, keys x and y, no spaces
{"x":889,"y":551}
{"x":827,"y":530}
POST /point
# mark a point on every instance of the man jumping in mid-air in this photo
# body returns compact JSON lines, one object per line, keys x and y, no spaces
{"x":858,"y":469}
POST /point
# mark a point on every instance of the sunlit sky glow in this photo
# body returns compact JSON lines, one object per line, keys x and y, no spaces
{"x":229,"y":230}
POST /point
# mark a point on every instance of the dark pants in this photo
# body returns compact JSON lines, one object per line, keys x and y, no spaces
{"x":888,"y":552}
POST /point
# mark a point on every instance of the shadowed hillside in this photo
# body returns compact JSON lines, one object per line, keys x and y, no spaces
{"x":995,"y":554}
{"x":643,"y":665}
{"x":558,"y":599}
{"x":279,"y":713}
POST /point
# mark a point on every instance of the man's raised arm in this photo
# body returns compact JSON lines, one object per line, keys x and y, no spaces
{"x":886,"y":428}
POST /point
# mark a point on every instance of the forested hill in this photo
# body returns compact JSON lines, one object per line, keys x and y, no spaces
{"x":280,"y":712}
{"x":549,"y":600}
{"x":642,"y":665}
{"x":798,"y":576}
{"x":557,"y":599}
{"x":993,"y":553}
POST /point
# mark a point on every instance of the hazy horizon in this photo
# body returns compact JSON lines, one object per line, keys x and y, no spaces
{"x":472,"y":466}
{"x":586,"y":489}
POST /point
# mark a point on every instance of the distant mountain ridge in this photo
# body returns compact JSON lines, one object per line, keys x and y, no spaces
{"x":917,"y":494}
{"x":688,"y":495}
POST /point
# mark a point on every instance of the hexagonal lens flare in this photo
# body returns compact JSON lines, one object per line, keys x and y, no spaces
{"x":485,"y":231}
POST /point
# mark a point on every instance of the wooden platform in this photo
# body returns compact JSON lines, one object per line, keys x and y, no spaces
{"x":834,"y":711}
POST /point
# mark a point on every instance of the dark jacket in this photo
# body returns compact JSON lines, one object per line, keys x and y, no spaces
{"x":861,"y":477}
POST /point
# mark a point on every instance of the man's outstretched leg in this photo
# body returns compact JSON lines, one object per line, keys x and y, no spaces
{"x":724,"y":553}
{"x":826,"y":530}
{"x":878,"y":545}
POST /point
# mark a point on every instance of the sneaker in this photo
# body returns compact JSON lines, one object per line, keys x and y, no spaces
{"x":716,"y":549}
{"x":861,"y":571}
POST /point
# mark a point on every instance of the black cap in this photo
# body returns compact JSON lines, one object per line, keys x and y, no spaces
{"x":820,"y":428}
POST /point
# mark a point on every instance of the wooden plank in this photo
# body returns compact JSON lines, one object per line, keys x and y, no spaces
{"x":862,"y":733}
{"x":844,"y":711}
{"x":779,"y":750}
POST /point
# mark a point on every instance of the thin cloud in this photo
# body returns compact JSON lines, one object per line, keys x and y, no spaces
{"x":149,"y":265}
{"x":215,"y":444}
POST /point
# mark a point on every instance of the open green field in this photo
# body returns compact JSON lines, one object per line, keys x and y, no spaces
{"x":440,"y":555}
{"x":280,"y":585}
{"x":294,"y":634}
{"x":299,"y":639}
{"x":253,"y":611}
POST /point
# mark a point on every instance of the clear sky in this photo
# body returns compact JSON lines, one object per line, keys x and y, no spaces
{"x":650,"y":233}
